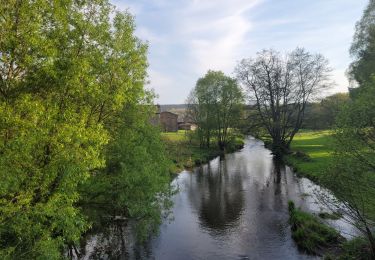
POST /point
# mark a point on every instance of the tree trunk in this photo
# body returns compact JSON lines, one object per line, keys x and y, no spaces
{"x":279,"y":147}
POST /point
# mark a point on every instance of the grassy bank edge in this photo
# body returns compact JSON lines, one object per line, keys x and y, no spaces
{"x":316,"y":238}
{"x":185,"y":153}
{"x":311,"y":235}
{"x":311,"y":157}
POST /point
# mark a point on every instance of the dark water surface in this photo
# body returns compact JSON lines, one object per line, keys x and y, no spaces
{"x":232,"y":208}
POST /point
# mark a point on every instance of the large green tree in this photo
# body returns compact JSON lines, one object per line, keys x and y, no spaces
{"x":135,"y":182}
{"x":215,"y":105}
{"x":68,"y":70}
{"x":352,"y":178}
{"x":363,"y":47}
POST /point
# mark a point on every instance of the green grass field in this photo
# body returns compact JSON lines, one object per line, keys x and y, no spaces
{"x":180,"y":135}
{"x":317,"y":145}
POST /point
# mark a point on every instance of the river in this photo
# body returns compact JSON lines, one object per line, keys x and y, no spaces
{"x":235,"y":207}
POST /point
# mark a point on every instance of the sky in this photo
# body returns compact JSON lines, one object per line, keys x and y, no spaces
{"x":189,"y":37}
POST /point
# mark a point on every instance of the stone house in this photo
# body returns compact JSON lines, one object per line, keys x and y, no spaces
{"x":168,"y":121}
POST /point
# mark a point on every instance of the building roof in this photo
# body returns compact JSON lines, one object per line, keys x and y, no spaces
{"x":167,"y":112}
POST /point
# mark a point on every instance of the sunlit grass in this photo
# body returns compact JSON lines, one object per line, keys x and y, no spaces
{"x":318,"y":146}
{"x":180,"y":135}
{"x":185,"y":151}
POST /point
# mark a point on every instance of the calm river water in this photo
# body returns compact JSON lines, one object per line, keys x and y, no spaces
{"x":231,"y":208}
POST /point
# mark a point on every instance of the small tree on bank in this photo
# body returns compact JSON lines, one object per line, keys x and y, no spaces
{"x":281,"y":88}
{"x":214,"y":104}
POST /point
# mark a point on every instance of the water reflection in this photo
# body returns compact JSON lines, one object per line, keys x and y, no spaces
{"x":235,"y":207}
{"x":218,"y":197}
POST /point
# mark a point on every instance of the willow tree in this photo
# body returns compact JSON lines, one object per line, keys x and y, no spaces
{"x":281,"y":87}
{"x":215,"y":105}
{"x":68,"y":70}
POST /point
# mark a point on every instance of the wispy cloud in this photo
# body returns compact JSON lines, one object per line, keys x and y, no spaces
{"x":188,"y":37}
{"x":214,"y":38}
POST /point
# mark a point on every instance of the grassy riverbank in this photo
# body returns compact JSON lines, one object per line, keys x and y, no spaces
{"x":316,"y":238}
{"x":185,"y":152}
{"x":312,"y":156}
{"x":312,"y":153}
{"x":311,"y":235}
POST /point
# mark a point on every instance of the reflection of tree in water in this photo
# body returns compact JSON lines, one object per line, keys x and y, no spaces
{"x":279,"y":168}
{"x":218,"y":197}
{"x":112,"y":239}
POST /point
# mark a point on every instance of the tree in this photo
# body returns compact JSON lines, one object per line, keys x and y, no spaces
{"x":68,"y":71}
{"x":363,"y":47}
{"x":322,"y":115}
{"x":128,"y":186}
{"x":281,"y":88}
{"x":352,"y":177}
{"x":215,"y":105}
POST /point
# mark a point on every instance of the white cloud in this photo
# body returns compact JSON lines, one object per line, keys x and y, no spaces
{"x":341,"y":81}
{"x":219,"y":52}
{"x":189,"y":37}
{"x":214,"y":31}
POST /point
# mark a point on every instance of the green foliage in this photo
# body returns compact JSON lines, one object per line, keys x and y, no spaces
{"x":309,"y":233}
{"x":353,"y":174}
{"x":215,"y":105}
{"x":136,"y":171}
{"x":71,"y":78}
{"x":322,"y":115}
{"x":355,"y":249}
{"x":363,"y":48}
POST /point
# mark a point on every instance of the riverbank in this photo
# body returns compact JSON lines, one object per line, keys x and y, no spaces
{"x":317,"y":238}
{"x":185,"y":153}
{"x":312,"y":157}
{"x":311,"y":153}
{"x":313,"y":236}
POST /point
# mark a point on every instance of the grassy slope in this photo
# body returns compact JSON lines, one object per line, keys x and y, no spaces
{"x":317,"y":145}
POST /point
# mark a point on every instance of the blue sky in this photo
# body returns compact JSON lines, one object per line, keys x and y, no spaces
{"x":188,"y":37}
